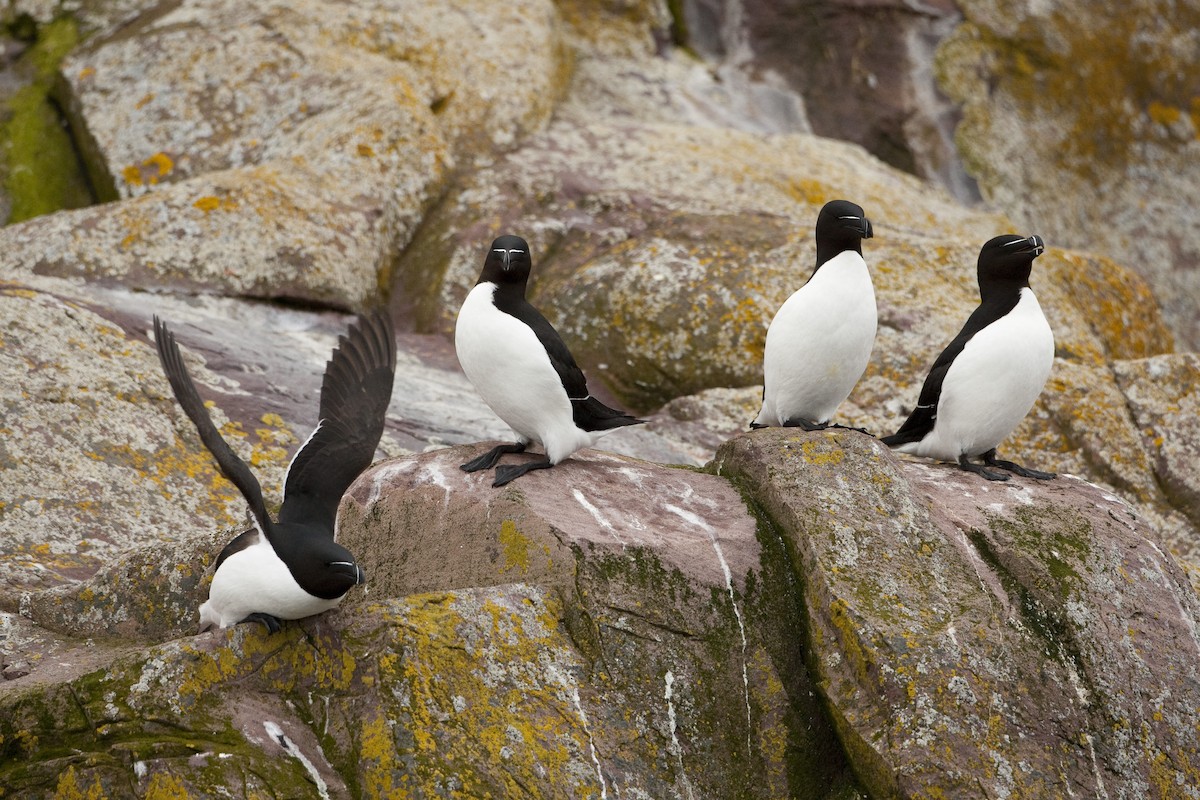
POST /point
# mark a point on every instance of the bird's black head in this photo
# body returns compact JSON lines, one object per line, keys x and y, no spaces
{"x":508,"y":261}
{"x":1006,"y":261}
{"x":841,"y":226}
{"x":327,"y":570}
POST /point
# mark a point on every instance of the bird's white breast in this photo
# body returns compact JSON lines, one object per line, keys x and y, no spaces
{"x":255,"y":580}
{"x":993,"y":383}
{"x":819,"y":343}
{"x":509,"y":367}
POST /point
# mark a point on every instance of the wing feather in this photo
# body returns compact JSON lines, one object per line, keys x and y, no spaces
{"x":355,"y":394}
{"x":231,"y":466}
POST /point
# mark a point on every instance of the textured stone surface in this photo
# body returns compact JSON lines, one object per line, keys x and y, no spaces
{"x":644,"y":650}
{"x":861,"y":71}
{"x":92,"y":459}
{"x":1025,"y":639}
{"x":894,"y":621}
{"x":276,"y":151}
{"x":108,"y":422}
{"x":1115,"y":166}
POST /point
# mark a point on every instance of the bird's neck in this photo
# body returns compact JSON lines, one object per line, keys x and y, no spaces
{"x":826,"y":252}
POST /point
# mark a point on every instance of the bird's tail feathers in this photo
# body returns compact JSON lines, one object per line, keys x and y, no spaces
{"x":592,"y":415}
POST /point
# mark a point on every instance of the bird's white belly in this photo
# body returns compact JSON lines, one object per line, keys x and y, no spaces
{"x":819,"y":343}
{"x":992,"y":384}
{"x":255,"y":580}
{"x":510,"y":369}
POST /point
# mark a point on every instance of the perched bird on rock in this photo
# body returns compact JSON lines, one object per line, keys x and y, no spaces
{"x":293,"y":568}
{"x":522,"y":369}
{"x":986,"y":380}
{"x":820,"y":340}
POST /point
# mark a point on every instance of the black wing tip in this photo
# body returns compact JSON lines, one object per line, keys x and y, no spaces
{"x":903,"y":437}
{"x":592,"y":415}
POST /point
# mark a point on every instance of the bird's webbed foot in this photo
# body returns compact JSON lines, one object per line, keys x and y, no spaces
{"x":852,"y":428}
{"x":979,"y":469}
{"x":990,"y":459}
{"x":510,"y":472}
{"x":801,"y":422}
{"x":489,"y":459}
{"x":272,"y":623}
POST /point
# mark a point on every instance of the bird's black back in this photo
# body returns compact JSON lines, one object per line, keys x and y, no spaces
{"x":1002,"y":271}
{"x":588,"y":413}
{"x":920,"y":422}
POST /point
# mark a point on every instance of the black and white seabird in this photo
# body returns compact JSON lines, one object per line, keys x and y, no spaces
{"x":986,"y":380}
{"x":293,"y":568}
{"x":522,"y":369}
{"x":820,"y":340}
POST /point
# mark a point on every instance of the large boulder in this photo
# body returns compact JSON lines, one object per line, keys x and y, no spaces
{"x":610,"y":626}
{"x":820,"y":619}
{"x":1023,"y":639}
{"x":282,"y":152}
{"x":1116,"y":166}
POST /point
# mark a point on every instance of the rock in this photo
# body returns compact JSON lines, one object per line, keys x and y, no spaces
{"x":667,"y":597}
{"x":234,"y":129}
{"x":1163,"y":399}
{"x":1112,"y":168}
{"x":93,"y":461}
{"x":929,"y":594}
{"x":670,"y":245}
{"x":862,"y":71}
{"x":616,"y":626}
{"x":646,"y":648}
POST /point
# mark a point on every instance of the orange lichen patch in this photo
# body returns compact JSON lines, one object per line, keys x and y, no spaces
{"x":145,"y":100}
{"x":1164,"y":114}
{"x":210,"y":203}
{"x":68,"y":788}
{"x":1115,"y":302}
{"x":365,"y":150}
{"x":809,"y":191}
{"x":150,"y":171}
{"x":86,"y":73}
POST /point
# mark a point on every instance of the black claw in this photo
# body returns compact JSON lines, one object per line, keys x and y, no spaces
{"x":756,"y":425}
{"x":489,"y":459}
{"x":990,"y":459}
{"x":801,"y":422}
{"x":510,"y":472}
{"x":851,"y":428}
{"x":272,"y":623}
{"x":979,"y":469}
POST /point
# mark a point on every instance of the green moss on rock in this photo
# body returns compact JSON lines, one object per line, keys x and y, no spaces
{"x":42,"y":172}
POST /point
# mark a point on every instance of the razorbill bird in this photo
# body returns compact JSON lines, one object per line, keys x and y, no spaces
{"x":522,"y":369}
{"x":986,"y":380}
{"x":293,"y":568}
{"x":820,"y":340}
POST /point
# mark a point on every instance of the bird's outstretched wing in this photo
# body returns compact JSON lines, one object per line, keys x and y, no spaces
{"x":355,"y":394}
{"x":232,"y":467}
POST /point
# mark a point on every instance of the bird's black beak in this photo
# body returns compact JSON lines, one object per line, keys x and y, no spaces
{"x":350,"y":570}
{"x":1036,"y":245}
{"x":860,"y":225}
{"x":506,"y":260}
